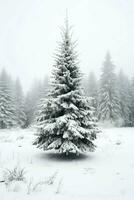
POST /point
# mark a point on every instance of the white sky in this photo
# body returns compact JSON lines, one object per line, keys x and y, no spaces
{"x":29,"y":32}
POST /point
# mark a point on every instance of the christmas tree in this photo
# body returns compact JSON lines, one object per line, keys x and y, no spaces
{"x":65,"y":120}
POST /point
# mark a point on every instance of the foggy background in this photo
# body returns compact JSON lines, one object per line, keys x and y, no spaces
{"x":30,"y":29}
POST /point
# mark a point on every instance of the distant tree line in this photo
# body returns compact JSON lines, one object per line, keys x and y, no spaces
{"x":16,"y":108}
{"x":112,"y":97}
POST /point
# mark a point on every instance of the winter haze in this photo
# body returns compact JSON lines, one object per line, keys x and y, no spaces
{"x":72,"y":139}
{"x":30,"y":29}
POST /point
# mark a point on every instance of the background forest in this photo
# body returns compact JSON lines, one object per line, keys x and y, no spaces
{"x":111,"y":94}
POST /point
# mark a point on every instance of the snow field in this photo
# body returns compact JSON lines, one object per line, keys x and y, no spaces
{"x":106,"y":174}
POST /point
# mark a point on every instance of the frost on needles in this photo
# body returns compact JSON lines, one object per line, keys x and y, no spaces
{"x":65,"y":120}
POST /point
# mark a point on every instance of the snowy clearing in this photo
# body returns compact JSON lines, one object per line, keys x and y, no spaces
{"x":106,"y":174}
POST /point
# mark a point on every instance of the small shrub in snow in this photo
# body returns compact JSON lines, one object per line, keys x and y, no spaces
{"x":32,"y":187}
{"x":15,"y":174}
{"x":51,"y":179}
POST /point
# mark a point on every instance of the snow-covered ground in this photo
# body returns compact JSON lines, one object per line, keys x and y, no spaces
{"x":106,"y":174}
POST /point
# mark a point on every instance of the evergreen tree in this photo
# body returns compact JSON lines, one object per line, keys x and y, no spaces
{"x":65,"y":121}
{"x":19,"y":105}
{"x":108,"y":106}
{"x":124,"y":98}
{"x":7,"y":103}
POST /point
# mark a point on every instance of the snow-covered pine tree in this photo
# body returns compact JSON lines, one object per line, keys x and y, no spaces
{"x":108,"y":106}
{"x":124,"y":98}
{"x":19,"y":104}
{"x":7,"y":103}
{"x":65,"y":122}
